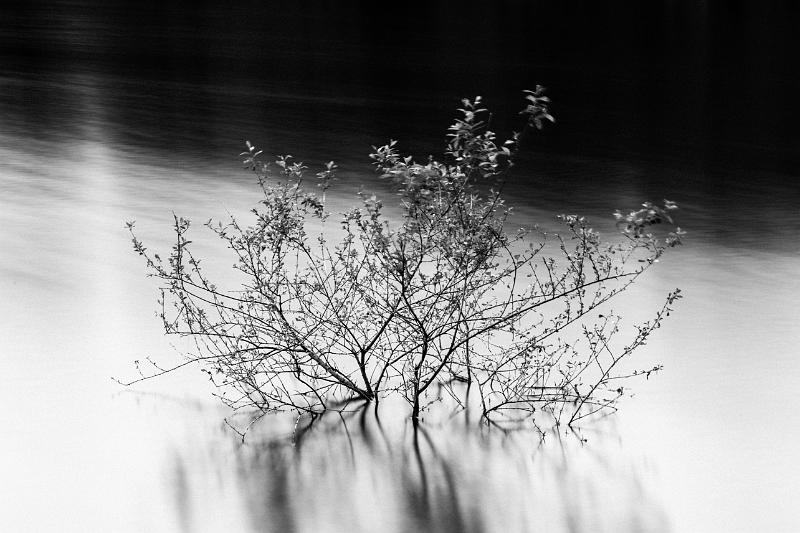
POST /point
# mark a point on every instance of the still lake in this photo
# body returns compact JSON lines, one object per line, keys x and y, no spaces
{"x":101,"y":123}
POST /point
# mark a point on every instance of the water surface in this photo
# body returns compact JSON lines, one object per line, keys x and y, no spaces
{"x":112,"y":114}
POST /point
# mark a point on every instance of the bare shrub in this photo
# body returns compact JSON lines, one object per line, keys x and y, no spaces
{"x":443,"y":303}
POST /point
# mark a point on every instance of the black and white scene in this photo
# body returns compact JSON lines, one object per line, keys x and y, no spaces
{"x":470,"y":267}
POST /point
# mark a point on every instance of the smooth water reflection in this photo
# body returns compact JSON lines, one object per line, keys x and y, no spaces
{"x":356,"y":472}
{"x":77,"y":310}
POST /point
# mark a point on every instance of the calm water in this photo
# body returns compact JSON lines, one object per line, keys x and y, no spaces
{"x":113,"y":114}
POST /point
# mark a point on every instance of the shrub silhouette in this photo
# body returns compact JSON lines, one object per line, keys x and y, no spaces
{"x":443,"y":303}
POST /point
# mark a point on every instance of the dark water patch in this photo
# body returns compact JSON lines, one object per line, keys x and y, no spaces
{"x":709,"y":82}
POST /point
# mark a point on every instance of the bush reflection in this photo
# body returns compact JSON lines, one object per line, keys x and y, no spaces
{"x":357,"y":471}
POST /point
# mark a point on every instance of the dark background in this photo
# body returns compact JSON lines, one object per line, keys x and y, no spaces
{"x":692,"y":99}
{"x":710,"y":77}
